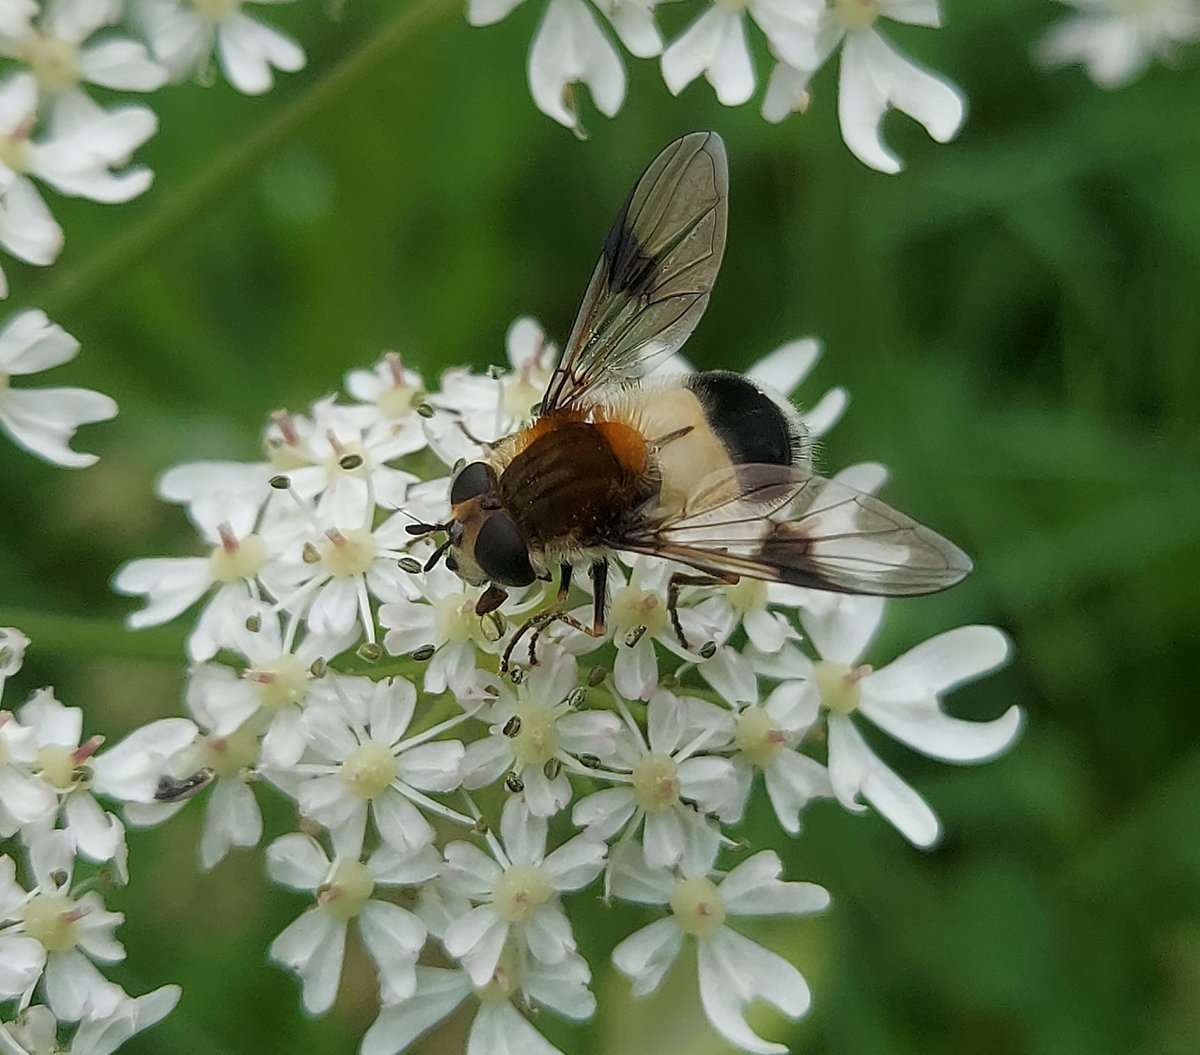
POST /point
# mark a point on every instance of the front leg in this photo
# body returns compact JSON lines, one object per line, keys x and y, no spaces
{"x":537,"y":624}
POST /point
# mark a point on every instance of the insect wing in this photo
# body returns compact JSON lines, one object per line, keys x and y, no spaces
{"x":655,"y":272}
{"x":784,"y":524}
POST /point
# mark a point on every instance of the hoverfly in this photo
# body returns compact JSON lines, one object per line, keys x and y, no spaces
{"x":708,"y":470}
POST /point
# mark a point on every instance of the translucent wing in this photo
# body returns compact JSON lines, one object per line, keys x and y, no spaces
{"x":784,"y":524}
{"x":655,"y":272}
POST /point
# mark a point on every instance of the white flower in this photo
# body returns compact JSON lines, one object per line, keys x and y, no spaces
{"x":171,"y":585}
{"x":535,"y":730}
{"x":480,"y":408}
{"x":362,"y":761}
{"x":62,"y":762}
{"x":767,"y":738}
{"x":338,"y":456}
{"x":715,"y":45}
{"x":568,"y":48}
{"x":331,"y":578}
{"x":518,"y":888}
{"x":1116,"y":40}
{"x":43,"y":420}
{"x":903,"y":699}
{"x":84,"y":145}
{"x":396,"y":393}
{"x":57,"y":52}
{"x":874,"y":76}
{"x":183,"y":34}
{"x":313,"y":946}
{"x":48,"y":919}
{"x":36,"y":1031}
{"x":443,"y":618}
{"x":12,"y":653}
{"x":273,"y":689}
{"x":658,"y":781}
{"x":733,"y":970}
{"x":498,"y":1027}
{"x":638,"y":618}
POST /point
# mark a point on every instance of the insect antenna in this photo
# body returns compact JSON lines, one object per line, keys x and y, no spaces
{"x":437,"y":553}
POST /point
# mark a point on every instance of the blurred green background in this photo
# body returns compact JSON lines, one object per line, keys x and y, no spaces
{"x":1017,"y":317}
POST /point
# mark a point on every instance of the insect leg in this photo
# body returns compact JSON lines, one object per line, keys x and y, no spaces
{"x":564,"y":582}
{"x":599,"y":596}
{"x":536,"y":625}
{"x":676,"y":583}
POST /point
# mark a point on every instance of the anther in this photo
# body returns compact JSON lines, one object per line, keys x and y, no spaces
{"x":350,"y":462}
{"x":514,"y":783}
{"x":410,"y":565}
{"x":280,"y":482}
{"x":319,"y":667}
{"x":512,"y":728}
{"x":369,"y":652}
{"x":425,"y":652}
{"x":708,"y":650}
{"x":589,"y":761}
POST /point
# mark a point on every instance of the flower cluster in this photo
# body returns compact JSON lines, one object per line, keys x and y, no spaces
{"x":1117,"y":40}
{"x":455,"y":809}
{"x":54,"y":928}
{"x":54,"y":134}
{"x":570,"y":47}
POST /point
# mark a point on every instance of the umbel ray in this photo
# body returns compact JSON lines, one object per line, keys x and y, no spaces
{"x":709,"y":470}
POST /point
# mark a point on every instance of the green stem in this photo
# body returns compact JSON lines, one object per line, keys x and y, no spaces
{"x":53,"y":634}
{"x":173,"y":210}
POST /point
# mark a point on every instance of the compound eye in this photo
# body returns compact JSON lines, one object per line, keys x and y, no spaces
{"x":472,"y":481}
{"x":501,"y":553}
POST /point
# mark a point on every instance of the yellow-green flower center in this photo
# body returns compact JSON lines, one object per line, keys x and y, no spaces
{"x":52,"y":919}
{"x":537,"y":742}
{"x":228,"y":755}
{"x":234,"y":558}
{"x":656,"y":782}
{"x":216,"y":10}
{"x":838,"y":685}
{"x":350,"y":552}
{"x":698,"y":908}
{"x":454,"y":619}
{"x":759,"y":737}
{"x":369,"y":769}
{"x":14,"y":152}
{"x":747,"y":595}
{"x":855,"y":15}
{"x":53,"y":62}
{"x":58,"y":765}
{"x":632,"y":607}
{"x":280,"y":683}
{"x":348,"y":890}
{"x":399,"y":399}
{"x":520,"y":892}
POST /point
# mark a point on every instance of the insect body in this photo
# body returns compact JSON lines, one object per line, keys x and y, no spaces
{"x":708,"y":470}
